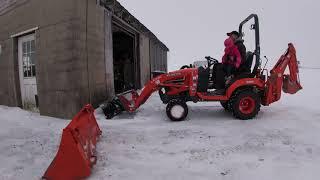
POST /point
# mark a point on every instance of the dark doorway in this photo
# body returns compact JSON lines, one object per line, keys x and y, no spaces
{"x":124,"y":59}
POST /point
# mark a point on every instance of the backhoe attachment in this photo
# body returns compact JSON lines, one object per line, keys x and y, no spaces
{"x":277,"y":81}
{"x":291,"y":82}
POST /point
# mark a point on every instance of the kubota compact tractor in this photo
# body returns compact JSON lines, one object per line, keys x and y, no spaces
{"x":248,"y":90}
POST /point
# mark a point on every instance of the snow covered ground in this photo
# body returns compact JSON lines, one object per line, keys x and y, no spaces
{"x":283,"y":142}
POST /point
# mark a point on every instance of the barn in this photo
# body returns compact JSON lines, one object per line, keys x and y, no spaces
{"x":56,"y":56}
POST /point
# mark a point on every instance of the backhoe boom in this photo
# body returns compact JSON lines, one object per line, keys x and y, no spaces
{"x":278,"y":81}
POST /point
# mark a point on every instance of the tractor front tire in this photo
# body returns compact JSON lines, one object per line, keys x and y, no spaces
{"x":177,"y":110}
{"x":245,"y":104}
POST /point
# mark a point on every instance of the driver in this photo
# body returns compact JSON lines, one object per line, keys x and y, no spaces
{"x":231,"y":59}
{"x":238,"y":41}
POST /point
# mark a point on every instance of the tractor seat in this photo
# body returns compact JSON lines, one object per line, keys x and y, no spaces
{"x":245,"y":67}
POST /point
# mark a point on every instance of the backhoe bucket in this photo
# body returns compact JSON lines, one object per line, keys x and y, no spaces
{"x":122,"y":102}
{"x":289,"y":86}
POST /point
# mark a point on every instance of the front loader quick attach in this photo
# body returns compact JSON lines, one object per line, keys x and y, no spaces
{"x":112,"y":108}
{"x":126,"y":101}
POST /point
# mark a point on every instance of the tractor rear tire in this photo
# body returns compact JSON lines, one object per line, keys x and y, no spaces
{"x":177,"y":110}
{"x":225,"y":105}
{"x":245,"y":104}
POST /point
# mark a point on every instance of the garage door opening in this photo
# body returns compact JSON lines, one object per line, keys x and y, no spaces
{"x":124,"y":59}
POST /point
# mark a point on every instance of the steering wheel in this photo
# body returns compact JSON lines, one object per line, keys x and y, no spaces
{"x":211,"y":61}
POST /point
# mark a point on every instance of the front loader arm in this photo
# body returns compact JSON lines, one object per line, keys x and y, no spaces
{"x":278,"y":81}
{"x":176,"y":82}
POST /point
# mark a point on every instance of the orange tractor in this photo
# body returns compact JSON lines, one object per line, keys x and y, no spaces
{"x":251,"y":87}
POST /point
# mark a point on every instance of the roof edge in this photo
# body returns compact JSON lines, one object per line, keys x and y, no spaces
{"x":122,"y":13}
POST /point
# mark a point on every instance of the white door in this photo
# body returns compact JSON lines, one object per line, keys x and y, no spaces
{"x":27,"y":71}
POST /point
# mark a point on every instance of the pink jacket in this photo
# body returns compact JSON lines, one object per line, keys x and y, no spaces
{"x":231,"y":54}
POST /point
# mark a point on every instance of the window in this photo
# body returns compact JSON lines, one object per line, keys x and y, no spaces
{"x":28,"y":59}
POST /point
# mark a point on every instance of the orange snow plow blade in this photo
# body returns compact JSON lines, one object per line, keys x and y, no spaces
{"x":76,"y":154}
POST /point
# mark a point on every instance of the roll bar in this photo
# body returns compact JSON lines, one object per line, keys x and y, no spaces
{"x":256,"y":27}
